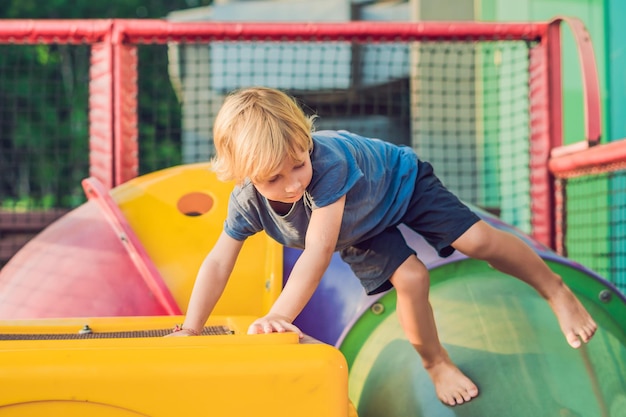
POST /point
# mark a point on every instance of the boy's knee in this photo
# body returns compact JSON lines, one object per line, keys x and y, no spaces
{"x":411,"y":274}
{"x":479,"y":241}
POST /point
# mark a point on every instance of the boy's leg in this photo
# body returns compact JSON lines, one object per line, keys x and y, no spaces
{"x":509,"y":254}
{"x":411,"y":281}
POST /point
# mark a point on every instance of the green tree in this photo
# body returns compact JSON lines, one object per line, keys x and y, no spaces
{"x":90,"y":9}
{"x":44,"y":96}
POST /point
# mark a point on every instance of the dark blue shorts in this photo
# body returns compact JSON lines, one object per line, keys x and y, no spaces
{"x":433,"y":212}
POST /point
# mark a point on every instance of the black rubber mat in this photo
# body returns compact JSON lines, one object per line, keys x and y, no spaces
{"x":87,"y":333}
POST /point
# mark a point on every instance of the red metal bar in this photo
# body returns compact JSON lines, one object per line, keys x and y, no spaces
{"x":24,"y":31}
{"x":125,"y":91}
{"x":602,"y":158}
{"x":561,"y":167}
{"x":555,"y":89}
{"x":101,"y":114}
{"x":542,"y":132}
{"x":591,"y":89}
{"x":161,"y":31}
{"x":560,"y":219}
{"x":589,"y":75}
{"x":113,"y":111}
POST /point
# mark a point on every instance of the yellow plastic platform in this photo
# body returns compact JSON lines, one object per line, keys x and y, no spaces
{"x":123,"y":367}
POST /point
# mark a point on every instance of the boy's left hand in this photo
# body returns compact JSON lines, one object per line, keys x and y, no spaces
{"x":273,"y":323}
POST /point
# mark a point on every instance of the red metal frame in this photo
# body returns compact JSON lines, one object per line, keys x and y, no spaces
{"x":101,"y":114}
{"x":547,"y":124}
{"x":602,"y":158}
{"x":589,"y":75}
{"x":125,"y":133}
{"x":545,"y":108}
{"x":160,"y":31}
{"x":49,"y":30}
{"x":113,"y":118}
{"x":560,"y":220}
{"x":113,"y":131}
{"x":558,"y":163}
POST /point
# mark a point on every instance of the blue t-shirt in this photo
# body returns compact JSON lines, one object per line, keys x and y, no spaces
{"x":377,"y":178}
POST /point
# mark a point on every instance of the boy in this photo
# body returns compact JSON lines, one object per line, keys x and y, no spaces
{"x":336,"y":191}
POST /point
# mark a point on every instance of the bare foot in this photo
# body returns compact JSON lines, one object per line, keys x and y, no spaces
{"x":451,"y":385}
{"x":575,"y":321}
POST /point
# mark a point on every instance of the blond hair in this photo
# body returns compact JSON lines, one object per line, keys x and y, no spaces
{"x":255,"y":131}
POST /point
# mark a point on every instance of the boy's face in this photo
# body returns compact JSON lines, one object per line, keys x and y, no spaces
{"x":288,"y":183}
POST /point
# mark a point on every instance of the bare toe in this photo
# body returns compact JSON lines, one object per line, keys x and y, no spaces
{"x":458,"y":398}
{"x":471,"y":393}
{"x":451,"y":385}
{"x":449,"y":400}
{"x":573,"y":340}
{"x":588,"y":332}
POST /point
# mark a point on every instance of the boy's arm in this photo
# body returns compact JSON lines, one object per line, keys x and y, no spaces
{"x":210,"y":282}
{"x":320,"y":242}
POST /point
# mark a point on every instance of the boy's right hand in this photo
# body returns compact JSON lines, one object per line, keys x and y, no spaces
{"x":181,"y":331}
{"x":273,"y":323}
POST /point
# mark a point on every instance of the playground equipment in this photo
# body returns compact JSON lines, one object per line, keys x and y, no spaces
{"x":69,"y":297}
{"x":123,"y":367}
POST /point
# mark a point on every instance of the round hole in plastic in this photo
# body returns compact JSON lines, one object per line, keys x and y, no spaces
{"x":195,"y":204}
